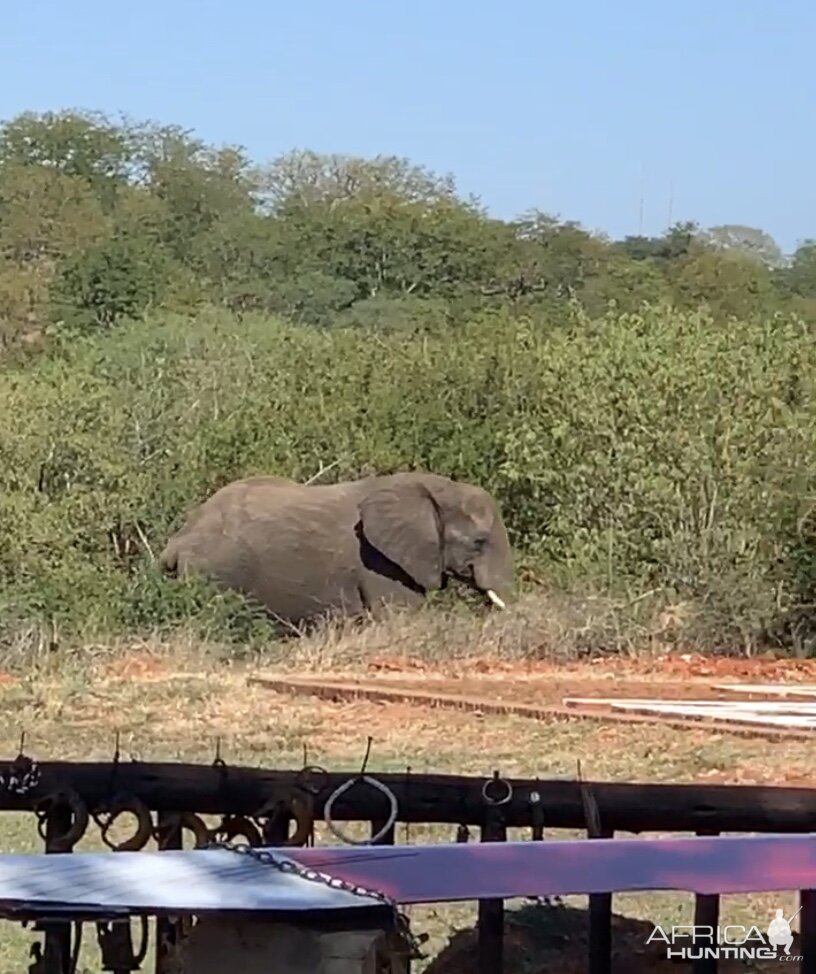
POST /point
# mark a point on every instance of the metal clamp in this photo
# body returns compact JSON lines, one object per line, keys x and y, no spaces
{"x":22,"y":776}
{"x":536,"y":815}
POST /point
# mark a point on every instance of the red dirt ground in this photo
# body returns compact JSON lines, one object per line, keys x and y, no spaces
{"x":681,"y":677}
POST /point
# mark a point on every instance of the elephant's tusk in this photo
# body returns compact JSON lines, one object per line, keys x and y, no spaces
{"x":495,"y":599}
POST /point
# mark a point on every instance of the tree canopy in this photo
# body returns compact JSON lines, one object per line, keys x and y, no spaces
{"x":102,"y":220}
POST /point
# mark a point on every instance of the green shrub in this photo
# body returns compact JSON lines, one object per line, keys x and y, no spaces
{"x":116,"y":279}
{"x":636,"y":452}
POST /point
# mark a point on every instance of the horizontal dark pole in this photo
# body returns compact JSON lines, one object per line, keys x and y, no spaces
{"x":452,"y":799}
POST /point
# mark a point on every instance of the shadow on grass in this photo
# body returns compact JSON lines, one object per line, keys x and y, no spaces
{"x":554,"y":939}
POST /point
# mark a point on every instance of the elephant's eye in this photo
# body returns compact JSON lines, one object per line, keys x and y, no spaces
{"x":480,"y":542}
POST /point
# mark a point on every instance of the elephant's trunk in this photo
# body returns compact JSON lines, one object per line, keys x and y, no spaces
{"x":493,"y":573}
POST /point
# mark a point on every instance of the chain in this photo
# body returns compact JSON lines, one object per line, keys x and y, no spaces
{"x":22,"y":776}
{"x":292,"y":868}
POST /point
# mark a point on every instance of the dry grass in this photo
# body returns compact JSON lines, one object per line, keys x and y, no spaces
{"x":542,"y":624}
{"x":173,"y":700}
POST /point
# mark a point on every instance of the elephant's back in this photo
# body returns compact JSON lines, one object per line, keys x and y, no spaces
{"x":289,"y":545}
{"x":303,"y":549}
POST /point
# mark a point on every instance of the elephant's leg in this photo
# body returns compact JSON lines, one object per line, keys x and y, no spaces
{"x":382,"y":595}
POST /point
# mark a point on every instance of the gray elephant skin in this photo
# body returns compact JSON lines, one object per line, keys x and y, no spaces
{"x":302,"y":551}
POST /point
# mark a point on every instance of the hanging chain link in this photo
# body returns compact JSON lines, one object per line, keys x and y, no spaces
{"x":289,"y":867}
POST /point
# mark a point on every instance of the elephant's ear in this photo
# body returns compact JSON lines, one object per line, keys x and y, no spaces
{"x":401,"y":522}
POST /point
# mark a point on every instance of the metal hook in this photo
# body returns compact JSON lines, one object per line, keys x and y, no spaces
{"x":367,"y":755}
{"x":79,"y":818}
{"x":218,"y":761}
{"x":234,"y":826}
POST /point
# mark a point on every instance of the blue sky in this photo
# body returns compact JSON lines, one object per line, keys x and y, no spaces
{"x":559,"y":106}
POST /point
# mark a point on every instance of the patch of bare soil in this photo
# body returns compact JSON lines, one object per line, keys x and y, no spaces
{"x":554,"y":940}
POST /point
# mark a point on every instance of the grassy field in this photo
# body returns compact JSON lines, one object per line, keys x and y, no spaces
{"x":173,"y":701}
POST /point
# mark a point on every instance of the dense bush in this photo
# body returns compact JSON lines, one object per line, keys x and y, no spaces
{"x":631,"y":453}
{"x":173,"y":315}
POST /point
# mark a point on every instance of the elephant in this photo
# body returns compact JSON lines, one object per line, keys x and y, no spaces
{"x":302,"y":551}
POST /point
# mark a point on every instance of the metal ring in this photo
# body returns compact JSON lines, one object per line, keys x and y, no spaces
{"x":79,"y":818}
{"x":311,"y":771}
{"x":233,"y":826}
{"x":392,"y":817}
{"x":297,"y":807}
{"x":183,"y":821}
{"x":498,"y":781}
{"x":124,"y":804}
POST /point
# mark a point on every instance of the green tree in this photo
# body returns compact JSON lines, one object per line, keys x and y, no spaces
{"x":85,"y":145}
{"x":747,"y":242}
{"x":45,"y":214}
{"x":385,"y":225}
{"x":118,"y":278}
{"x":197,"y":184}
{"x":799,"y":277}
{"x":795,"y":283}
{"x":304,"y":178}
{"x":730,"y":284}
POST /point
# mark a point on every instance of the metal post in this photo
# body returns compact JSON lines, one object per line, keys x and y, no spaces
{"x":600,"y":923}
{"x":706,"y":914}
{"x":168,"y":932}
{"x":57,"y":955}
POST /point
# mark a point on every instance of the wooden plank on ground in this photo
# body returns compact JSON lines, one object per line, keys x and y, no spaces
{"x":770,"y":689}
{"x":481,"y":706}
{"x":806,"y":708}
{"x":721,"y":712}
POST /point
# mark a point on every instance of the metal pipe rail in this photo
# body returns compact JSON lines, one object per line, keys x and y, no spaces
{"x":259,"y":806}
